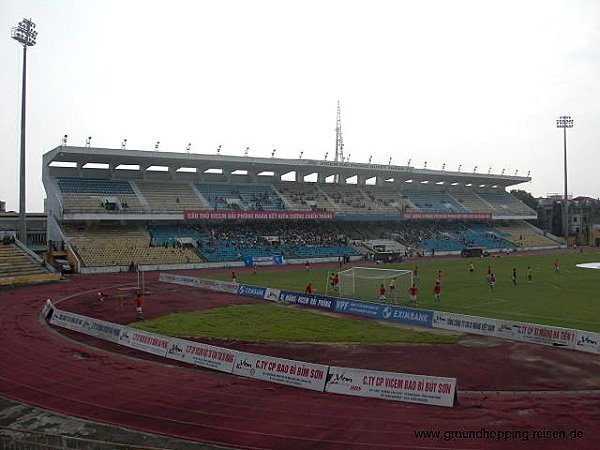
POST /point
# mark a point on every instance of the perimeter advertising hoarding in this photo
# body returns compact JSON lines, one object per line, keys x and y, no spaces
{"x":283,"y":371}
{"x":69,"y":320}
{"x":105,"y":330}
{"x":272,"y":294}
{"x":143,"y":341}
{"x":257,"y":215}
{"x":200,"y":354}
{"x":48,"y":306}
{"x":536,"y":334}
{"x":93,"y":327}
{"x":586,"y":341}
{"x":466,"y":324}
{"x":202,"y":283}
{"x":403,"y":387}
{"x":313,"y":301}
{"x":277,"y":260}
{"x":247,"y":290}
{"x":400,"y":314}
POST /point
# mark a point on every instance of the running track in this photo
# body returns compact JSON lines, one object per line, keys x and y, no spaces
{"x":82,"y":377}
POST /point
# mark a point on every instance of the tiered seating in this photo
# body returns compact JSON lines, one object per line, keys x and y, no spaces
{"x":120,"y":245}
{"x":350,"y":199}
{"x":260,"y":198}
{"x":433,"y":201}
{"x":472,"y":202}
{"x":167,"y":235}
{"x":445,"y":244}
{"x":230,"y":250}
{"x":505,"y":204}
{"x":94,"y":186}
{"x":15,"y":262}
{"x":165,"y":196}
{"x":89,"y":194}
{"x":235,"y":242}
{"x":523,"y":236}
{"x":305,"y":197}
{"x":482,"y":236}
{"x":221,"y":196}
{"x":363,"y":231}
{"x":217,"y":246}
{"x":327,"y":251}
{"x":449,"y":236}
{"x":411,"y":234}
{"x":387,"y":199}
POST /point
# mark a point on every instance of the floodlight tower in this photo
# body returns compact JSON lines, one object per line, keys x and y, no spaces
{"x":25,"y":34}
{"x":339,"y":141}
{"x":565,"y":122}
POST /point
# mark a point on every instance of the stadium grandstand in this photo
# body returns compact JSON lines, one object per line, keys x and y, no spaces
{"x":116,"y":209}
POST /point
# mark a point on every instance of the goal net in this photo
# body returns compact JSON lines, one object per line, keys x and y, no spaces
{"x":365,"y":283}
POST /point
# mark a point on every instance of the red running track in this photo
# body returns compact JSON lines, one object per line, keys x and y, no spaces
{"x":110,"y":384}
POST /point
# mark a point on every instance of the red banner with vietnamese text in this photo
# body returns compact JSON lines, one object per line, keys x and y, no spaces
{"x":257,"y":215}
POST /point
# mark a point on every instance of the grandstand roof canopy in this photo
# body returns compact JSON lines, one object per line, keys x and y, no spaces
{"x":68,"y":160}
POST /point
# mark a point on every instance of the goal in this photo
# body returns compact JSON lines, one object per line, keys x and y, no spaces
{"x":365,"y":282}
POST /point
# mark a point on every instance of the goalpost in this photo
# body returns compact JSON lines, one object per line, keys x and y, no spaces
{"x":365,"y":282}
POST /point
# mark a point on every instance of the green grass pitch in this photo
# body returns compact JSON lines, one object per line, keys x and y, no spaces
{"x":272,"y":322}
{"x":569,"y":298}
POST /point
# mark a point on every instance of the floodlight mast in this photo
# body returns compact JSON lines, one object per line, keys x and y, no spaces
{"x":339,"y":141}
{"x":25,"y":34}
{"x":565,"y":122}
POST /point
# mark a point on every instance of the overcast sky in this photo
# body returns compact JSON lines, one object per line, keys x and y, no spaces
{"x":478,"y":83}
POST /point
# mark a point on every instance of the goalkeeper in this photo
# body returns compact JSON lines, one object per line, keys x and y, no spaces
{"x":393,"y":290}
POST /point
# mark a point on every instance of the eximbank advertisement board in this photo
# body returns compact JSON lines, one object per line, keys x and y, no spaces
{"x":400,"y":314}
{"x":403,"y":387}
